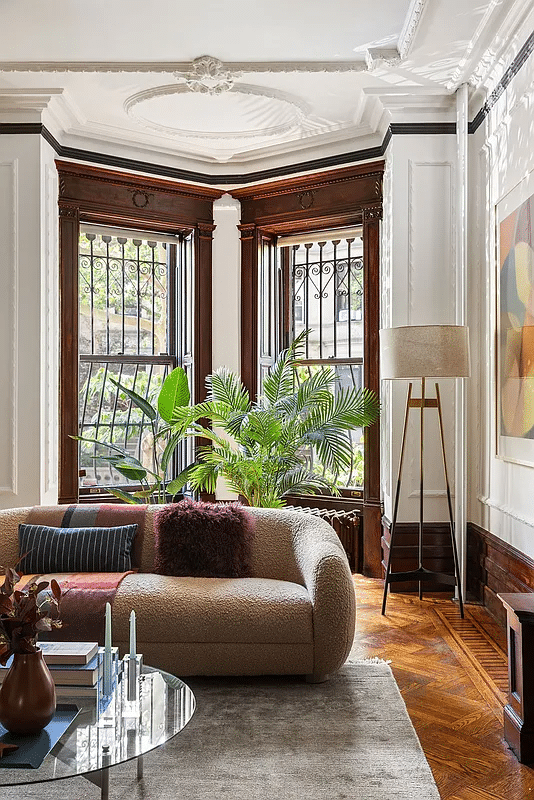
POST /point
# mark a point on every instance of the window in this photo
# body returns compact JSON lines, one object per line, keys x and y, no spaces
{"x":135,"y":301}
{"x":349,"y":197}
{"x":132,"y":327}
{"x":324,"y":276}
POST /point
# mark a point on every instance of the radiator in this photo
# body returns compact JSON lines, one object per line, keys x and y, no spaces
{"x":347,"y":526}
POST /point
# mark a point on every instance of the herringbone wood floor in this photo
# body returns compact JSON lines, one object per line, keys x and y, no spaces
{"x":452,"y":675}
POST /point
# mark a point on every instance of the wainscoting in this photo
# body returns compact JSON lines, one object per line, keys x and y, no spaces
{"x":493,"y":567}
{"x":437,"y":552}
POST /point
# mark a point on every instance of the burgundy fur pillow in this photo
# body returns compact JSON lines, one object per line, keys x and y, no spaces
{"x":204,"y":540}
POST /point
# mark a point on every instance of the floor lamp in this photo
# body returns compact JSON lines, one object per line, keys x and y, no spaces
{"x":423,"y":351}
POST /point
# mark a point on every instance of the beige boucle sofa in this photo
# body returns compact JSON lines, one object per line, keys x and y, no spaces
{"x":294,"y":616}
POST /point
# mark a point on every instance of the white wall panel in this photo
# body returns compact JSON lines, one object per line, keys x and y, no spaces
{"x":8,"y":324}
{"x":50,"y":326}
{"x":430,"y":244}
{"x":419,"y":289}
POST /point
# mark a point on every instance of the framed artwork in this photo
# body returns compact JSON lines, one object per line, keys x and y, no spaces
{"x":515,"y":324}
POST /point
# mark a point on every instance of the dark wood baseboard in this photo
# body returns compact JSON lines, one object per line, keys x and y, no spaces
{"x":495,"y":567}
{"x":437,"y":552}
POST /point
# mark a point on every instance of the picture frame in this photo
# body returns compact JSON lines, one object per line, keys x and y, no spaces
{"x":515,"y":324}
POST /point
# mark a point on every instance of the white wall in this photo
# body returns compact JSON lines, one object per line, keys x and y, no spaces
{"x":28,"y":322}
{"x":501,"y":157}
{"x":418,"y":265}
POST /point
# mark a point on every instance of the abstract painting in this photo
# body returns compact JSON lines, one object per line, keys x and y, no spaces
{"x":515,"y":395}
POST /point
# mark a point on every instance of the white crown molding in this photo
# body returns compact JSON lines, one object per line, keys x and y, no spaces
{"x":488,"y":30}
{"x":503,"y":45}
{"x":13,"y":100}
{"x":411,"y":24}
{"x":377,"y":58}
{"x":183,"y":69}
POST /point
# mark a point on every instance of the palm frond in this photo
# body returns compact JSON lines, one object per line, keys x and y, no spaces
{"x":302,"y":481}
{"x":333,"y":447}
{"x":281,"y":379}
{"x":226,"y":387}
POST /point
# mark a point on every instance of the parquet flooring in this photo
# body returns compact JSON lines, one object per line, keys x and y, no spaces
{"x":452,"y":674}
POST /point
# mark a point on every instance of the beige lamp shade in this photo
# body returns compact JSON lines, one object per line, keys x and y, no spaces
{"x":425,"y":351}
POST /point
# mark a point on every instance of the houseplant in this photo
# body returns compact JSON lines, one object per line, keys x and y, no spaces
{"x":263,"y":449}
{"x":156,"y":486}
{"x":27,"y":694}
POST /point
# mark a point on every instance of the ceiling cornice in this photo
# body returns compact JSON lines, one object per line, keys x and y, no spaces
{"x":371,"y":59}
{"x":181,"y":68}
{"x":411,"y":24}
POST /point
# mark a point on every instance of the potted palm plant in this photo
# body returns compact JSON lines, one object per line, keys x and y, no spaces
{"x":262,"y":448}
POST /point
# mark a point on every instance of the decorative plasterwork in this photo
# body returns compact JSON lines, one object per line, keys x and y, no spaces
{"x":27,"y":99}
{"x":208,"y":76}
{"x":413,"y":20}
{"x":295,"y":113}
{"x":377,"y":58}
{"x":181,"y":68}
{"x":502,"y":30}
{"x":208,"y":71}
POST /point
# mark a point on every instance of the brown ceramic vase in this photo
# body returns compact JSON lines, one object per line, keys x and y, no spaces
{"x":27,"y":695}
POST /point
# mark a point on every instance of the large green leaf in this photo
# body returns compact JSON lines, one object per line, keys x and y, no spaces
{"x":126,"y":496}
{"x":136,"y":399}
{"x":102,"y":444}
{"x":129,"y":471}
{"x":174,"y":394}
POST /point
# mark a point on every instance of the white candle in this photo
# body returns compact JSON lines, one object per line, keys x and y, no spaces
{"x":133,"y":641}
{"x":107,"y":650}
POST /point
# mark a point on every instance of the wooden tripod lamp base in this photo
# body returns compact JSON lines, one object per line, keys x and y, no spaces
{"x":438,"y":351}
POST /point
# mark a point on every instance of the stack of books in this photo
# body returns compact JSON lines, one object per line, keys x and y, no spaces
{"x":76,"y":667}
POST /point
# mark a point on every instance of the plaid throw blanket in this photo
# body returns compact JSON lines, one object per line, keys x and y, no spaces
{"x":83,"y":605}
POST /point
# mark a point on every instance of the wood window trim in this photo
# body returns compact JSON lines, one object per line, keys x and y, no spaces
{"x":91,"y":194}
{"x":335,"y":198}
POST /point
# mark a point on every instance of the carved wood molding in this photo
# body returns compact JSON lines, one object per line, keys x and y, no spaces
{"x":134,"y":183}
{"x":309,"y":183}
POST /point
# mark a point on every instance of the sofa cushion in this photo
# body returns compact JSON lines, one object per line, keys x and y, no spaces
{"x":47,"y":549}
{"x":203,"y":540}
{"x":170,"y":609}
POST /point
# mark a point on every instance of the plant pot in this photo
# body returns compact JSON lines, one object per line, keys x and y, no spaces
{"x":27,"y":695}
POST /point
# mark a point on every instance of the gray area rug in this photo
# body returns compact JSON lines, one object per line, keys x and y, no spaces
{"x":277,"y":739}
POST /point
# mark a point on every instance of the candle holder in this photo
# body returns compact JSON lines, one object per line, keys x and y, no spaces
{"x":133,"y":666}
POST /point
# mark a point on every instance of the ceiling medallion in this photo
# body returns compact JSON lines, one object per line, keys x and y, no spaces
{"x":208,"y":76}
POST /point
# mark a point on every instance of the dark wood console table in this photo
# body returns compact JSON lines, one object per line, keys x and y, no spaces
{"x":519,"y":712}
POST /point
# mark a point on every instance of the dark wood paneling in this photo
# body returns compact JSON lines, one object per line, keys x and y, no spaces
{"x":134,"y":200}
{"x":437,"y":552}
{"x":68,"y":354}
{"x":495,"y":567}
{"x":372,"y":215}
{"x":90,"y":194}
{"x":326,"y":198}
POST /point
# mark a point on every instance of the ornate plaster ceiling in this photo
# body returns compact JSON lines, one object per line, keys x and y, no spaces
{"x":239,"y":82}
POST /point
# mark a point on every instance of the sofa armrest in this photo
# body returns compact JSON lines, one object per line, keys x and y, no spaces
{"x":327,"y":577}
{"x":10,"y":518}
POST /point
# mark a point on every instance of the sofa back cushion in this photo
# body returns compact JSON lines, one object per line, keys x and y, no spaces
{"x":51,"y":550}
{"x":203,"y":540}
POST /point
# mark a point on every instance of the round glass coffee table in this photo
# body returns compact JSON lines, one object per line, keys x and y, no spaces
{"x":138,"y":716}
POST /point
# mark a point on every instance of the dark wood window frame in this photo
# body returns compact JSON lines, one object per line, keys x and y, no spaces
{"x":333,"y":199}
{"x":91,"y":194}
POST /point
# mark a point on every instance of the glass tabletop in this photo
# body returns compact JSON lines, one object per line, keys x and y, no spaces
{"x":138,"y":716}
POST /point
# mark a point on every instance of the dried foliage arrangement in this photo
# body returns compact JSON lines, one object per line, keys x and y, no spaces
{"x":23,"y":615}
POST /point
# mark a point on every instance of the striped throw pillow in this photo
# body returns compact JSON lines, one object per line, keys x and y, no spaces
{"x":75,"y":549}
